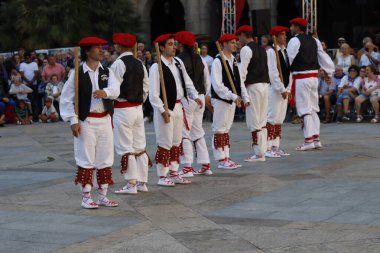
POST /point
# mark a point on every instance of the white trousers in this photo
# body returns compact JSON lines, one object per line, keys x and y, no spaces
{"x":168,"y":135}
{"x":277,"y":107}
{"x":256,"y":115}
{"x":195,"y":133}
{"x":94,"y":146}
{"x":129,"y":137}
{"x":307,"y":105}
{"x":222,"y":120}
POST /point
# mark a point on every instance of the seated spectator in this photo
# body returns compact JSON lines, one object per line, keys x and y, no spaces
{"x":371,"y":56}
{"x":345,"y":59}
{"x":54,"y":89}
{"x":5,"y":101}
{"x":2,"y":119}
{"x":324,"y":47}
{"x":347,"y":92}
{"x":369,"y":91}
{"x":49,"y":114}
{"x":21,"y":91}
{"x":338,"y":53}
{"x":338,"y":75}
{"x":140,"y":55}
{"x":23,"y":117}
{"x":327,"y":95}
{"x":362,"y":50}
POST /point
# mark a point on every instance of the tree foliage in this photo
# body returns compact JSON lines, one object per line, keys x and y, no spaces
{"x":50,"y":23}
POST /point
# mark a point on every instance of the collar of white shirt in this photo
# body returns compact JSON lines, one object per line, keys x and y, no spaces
{"x":87,"y":68}
{"x":166,"y":61}
{"x":124,"y":54}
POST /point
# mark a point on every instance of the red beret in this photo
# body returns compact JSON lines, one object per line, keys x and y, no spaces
{"x":277,"y":30}
{"x":299,"y":21}
{"x":91,"y":41}
{"x":227,"y":37}
{"x":163,"y":37}
{"x":124,"y":39}
{"x":244,"y":28}
{"x":185,"y":38}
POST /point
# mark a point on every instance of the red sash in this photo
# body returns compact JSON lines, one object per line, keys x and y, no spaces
{"x":125,"y":104}
{"x":97,"y":114}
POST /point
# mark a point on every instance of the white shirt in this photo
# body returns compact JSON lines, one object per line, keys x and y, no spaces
{"x":349,"y":83}
{"x":206,"y":77}
{"x":324,"y":59}
{"x":155,"y":86}
{"x":66,"y":105}
{"x":48,"y":111}
{"x":371,"y":84}
{"x":16,"y":89}
{"x":274,"y":74}
{"x":29,"y":70}
{"x":208,"y":59}
{"x":118,"y":68}
{"x":217,"y":79}
{"x":345,"y":62}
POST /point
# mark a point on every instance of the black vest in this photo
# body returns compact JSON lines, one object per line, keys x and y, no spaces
{"x":235,"y":75}
{"x":195,"y":70}
{"x":307,"y":57}
{"x":285,"y":68}
{"x":258,"y":66}
{"x":85,"y":91}
{"x":131,"y":88}
{"x":170,"y":85}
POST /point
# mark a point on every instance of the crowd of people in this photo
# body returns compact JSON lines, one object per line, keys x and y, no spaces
{"x":354,"y":91}
{"x":31,"y":83}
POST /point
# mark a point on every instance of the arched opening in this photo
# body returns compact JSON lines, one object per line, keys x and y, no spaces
{"x":167,"y":16}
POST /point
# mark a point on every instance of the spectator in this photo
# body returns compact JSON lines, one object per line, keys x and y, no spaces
{"x":148,"y":59}
{"x":21,"y":91}
{"x":345,"y":59}
{"x":12,"y":63}
{"x":362,"y":50}
{"x":141,"y":47}
{"x":4,"y":101}
{"x":3,"y":72}
{"x":207,"y":58}
{"x":140,"y":55}
{"x":369,"y":91}
{"x":53,"y":68}
{"x":265,"y":41}
{"x":338,"y":75}
{"x":22,"y":114}
{"x":54,"y":89}
{"x":107,"y":62}
{"x":49,"y":114}
{"x":327,"y":95}
{"x":324,"y":47}
{"x":338,"y":53}
{"x":371,"y":56}
{"x":347,"y":92}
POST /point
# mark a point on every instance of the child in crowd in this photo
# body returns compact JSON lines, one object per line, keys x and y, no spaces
{"x":21,"y":91}
{"x":22,"y":114}
{"x":49,"y":114}
{"x":54,"y":88}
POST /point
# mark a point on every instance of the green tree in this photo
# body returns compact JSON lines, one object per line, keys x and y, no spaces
{"x":49,"y":24}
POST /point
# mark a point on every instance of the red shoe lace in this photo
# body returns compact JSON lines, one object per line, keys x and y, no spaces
{"x":186,"y":170}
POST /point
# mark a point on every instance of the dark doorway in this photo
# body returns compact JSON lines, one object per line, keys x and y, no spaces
{"x":167,"y":16}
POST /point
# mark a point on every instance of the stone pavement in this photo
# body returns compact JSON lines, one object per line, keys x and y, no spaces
{"x":320,"y":201}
